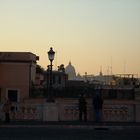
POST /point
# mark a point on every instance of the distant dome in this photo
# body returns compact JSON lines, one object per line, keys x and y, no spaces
{"x":70,"y":70}
{"x":79,"y":77}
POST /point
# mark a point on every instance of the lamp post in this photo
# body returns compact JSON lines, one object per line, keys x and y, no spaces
{"x":51,"y":55}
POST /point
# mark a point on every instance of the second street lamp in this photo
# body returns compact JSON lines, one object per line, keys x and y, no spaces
{"x":51,"y":55}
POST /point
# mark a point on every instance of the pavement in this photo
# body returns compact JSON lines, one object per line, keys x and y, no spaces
{"x":73,"y":124}
{"x":69,"y":130}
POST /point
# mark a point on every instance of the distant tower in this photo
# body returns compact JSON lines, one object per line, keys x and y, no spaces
{"x":111,"y":67}
{"x":70,"y":70}
{"x":101,"y":74}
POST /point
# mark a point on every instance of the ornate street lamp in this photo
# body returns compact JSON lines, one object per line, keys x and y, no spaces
{"x":51,"y":55}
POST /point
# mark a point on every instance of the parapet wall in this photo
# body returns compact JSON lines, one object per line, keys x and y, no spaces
{"x":67,"y":110}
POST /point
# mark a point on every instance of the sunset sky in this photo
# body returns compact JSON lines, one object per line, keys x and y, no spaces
{"x":89,"y":33}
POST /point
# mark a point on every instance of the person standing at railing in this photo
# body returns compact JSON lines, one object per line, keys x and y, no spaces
{"x":82,"y":108}
{"x":98,"y":105}
{"x":7,"y":109}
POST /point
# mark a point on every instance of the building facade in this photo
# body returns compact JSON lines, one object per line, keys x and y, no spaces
{"x":17,"y":73}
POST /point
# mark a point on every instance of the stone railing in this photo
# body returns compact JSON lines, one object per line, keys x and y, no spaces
{"x":110,"y":113}
{"x":25,"y":112}
{"x":119,"y":113}
{"x":70,"y":112}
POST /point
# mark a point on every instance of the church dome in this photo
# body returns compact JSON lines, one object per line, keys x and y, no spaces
{"x":70,"y":70}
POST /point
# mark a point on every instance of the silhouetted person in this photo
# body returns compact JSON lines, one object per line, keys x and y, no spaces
{"x":13,"y":111}
{"x":98,"y":105}
{"x":6,"y":109}
{"x":82,"y":108}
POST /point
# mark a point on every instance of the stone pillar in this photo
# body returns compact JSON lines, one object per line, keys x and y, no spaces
{"x":50,"y":112}
{"x":137,"y":105}
{"x":137,"y":94}
{"x":137,"y":112}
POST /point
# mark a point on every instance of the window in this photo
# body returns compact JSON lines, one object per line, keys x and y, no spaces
{"x":13,"y":95}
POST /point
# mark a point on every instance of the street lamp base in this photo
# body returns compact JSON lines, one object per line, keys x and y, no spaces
{"x":50,"y":112}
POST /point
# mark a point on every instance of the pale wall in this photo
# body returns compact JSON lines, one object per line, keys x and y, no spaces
{"x":14,"y":76}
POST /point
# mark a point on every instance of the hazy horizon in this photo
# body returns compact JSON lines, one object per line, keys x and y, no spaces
{"x":89,"y":33}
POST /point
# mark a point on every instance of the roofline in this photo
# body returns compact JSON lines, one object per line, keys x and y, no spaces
{"x":16,"y":52}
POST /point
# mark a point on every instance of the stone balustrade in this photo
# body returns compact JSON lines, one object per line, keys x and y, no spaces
{"x":70,"y":112}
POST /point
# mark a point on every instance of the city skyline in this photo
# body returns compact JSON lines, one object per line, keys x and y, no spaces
{"x":91,"y":34}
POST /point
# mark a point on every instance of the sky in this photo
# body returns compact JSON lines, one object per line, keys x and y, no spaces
{"x":92,"y":34}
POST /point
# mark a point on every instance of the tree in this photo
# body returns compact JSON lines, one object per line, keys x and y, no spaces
{"x":39,"y":69}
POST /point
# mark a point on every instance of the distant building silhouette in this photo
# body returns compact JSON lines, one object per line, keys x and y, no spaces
{"x":59,"y":79}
